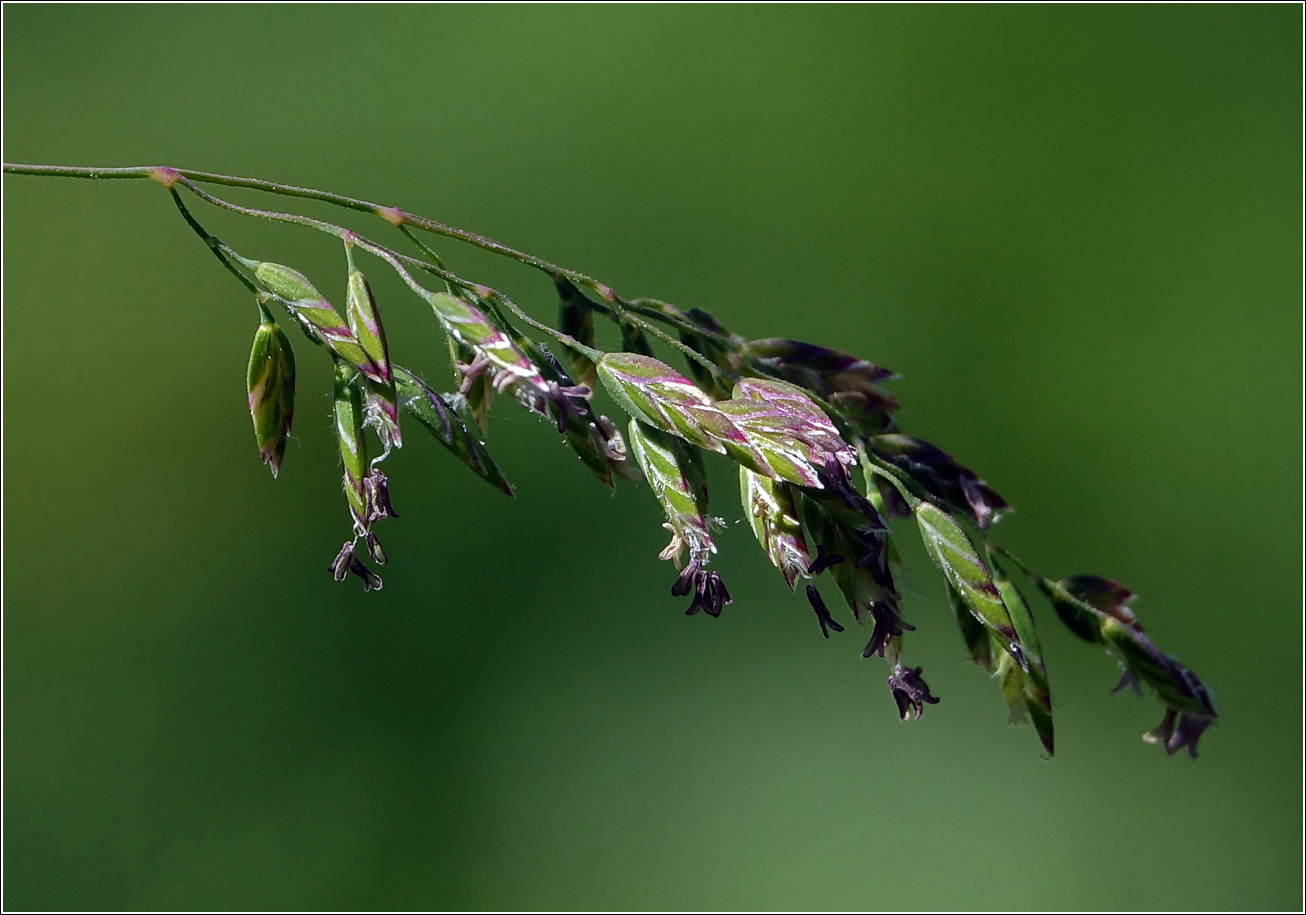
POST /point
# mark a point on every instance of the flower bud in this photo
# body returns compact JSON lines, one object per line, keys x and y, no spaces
{"x":285,"y":282}
{"x":1026,"y":691}
{"x":271,"y":385}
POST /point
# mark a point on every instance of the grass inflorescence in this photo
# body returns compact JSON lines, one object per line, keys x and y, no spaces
{"x":822,"y":464}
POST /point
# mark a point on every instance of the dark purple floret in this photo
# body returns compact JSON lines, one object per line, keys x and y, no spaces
{"x":983,"y":500}
{"x":1109,"y":596}
{"x":826,"y":360}
{"x":705,"y":320}
{"x":377,"y":490}
{"x":831,"y":370}
{"x":823,"y":561}
{"x":710,"y":593}
{"x":888,"y":625}
{"x":822,"y":613}
{"x":909,"y":691}
{"x":941,"y":476}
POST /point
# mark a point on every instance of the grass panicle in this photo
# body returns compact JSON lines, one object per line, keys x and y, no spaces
{"x":822,"y":464}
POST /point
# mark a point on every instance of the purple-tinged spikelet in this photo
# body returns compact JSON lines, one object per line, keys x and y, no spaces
{"x":271,"y":385}
{"x":686,"y":523}
{"x":317,"y":316}
{"x":381,"y":407}
{"x":1096,"y":609}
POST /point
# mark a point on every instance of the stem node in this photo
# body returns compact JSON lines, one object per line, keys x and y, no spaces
{"x":165,"y":176}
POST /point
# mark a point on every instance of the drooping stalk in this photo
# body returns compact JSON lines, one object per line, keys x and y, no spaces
{"x":797,"y":419}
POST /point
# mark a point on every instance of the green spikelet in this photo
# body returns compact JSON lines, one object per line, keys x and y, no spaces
{"x":353,"y":447}
{"x":365,"y":323}
{"x":271,"y":386}
{"x":318,"y":317}
{"x":771,"y":512}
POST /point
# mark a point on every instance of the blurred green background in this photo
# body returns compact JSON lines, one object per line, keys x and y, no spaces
{"x":1074,"y":231}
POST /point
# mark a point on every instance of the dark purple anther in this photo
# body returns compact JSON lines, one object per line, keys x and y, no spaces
{"x":346,"y":562}
{"x":1164,"y":731}
{"x":339,"y":567}
{"x":1128,"y":680}
{"x":371,"y":581}
{"x":823,"y":561}
{"x":685,"y":581}
{"x":710,"y":593}
{"x":822,"y":613}
{"x":909,"y":691}
{"x":888,"y":625}
{"x":377,"y":490}
{"x":374,"y":548}
{"x":561,"y":396}
{"x":1185,"y":734}
{"x":478,"y":367}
